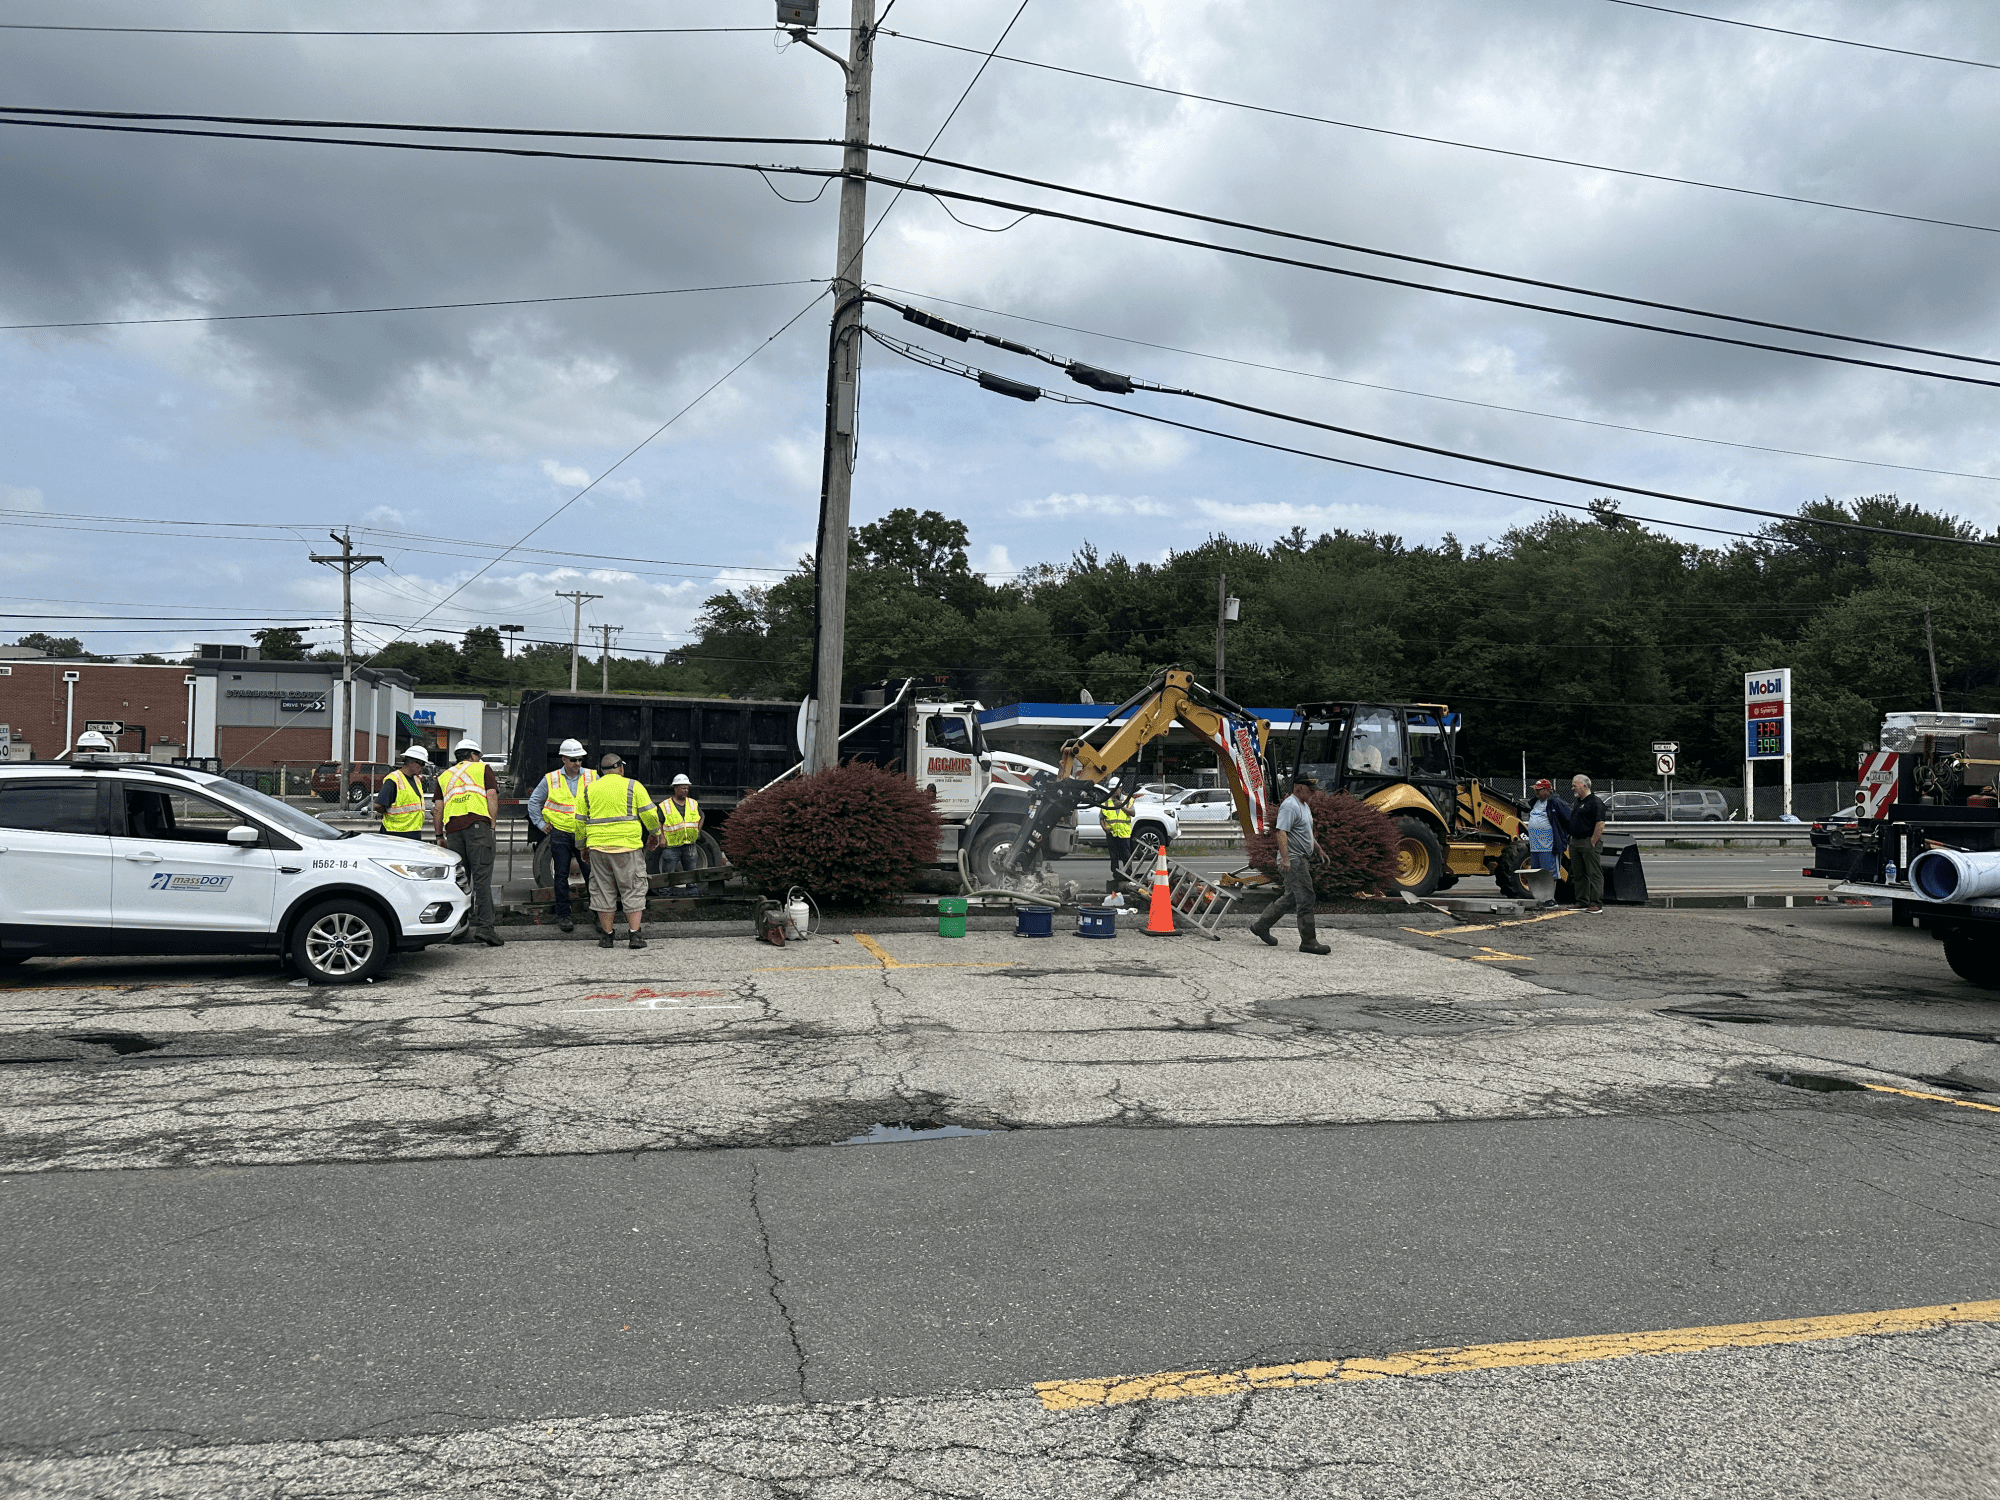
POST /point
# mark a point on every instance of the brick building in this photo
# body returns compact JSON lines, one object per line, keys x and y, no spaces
{"x":47,"y":701}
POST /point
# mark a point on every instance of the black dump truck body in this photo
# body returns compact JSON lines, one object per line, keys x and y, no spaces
{"x":727,"y":747}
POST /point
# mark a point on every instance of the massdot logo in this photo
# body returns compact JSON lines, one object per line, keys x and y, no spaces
{"x":165,"y":881}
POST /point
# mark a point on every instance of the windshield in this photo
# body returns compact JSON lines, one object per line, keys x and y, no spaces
{"x":271,"y":810}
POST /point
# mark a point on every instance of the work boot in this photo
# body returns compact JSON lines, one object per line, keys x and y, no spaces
{"x":1263,"y":934}
{"x":491,"y":939}
{"x":1309,"y":936}
{"x":636,"y":941}
{"x":563,"y":921}
{"x":605,"y":940}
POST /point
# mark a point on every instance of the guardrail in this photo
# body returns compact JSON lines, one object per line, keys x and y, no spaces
{"x":1710,"y":833}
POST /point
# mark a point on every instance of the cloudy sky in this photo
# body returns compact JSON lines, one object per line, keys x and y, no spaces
{"x":442,"y":436}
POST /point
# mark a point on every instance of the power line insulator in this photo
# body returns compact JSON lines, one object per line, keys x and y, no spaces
{"x":1001,"y":385}
{"x":1099,"y":380}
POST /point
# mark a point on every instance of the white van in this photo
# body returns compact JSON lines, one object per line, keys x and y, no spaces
{"x":130,"y":859}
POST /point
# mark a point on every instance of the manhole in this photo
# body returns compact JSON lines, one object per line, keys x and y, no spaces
{"x":1819,"y":1083}
{"x":889,"y":1135}
{"x":124,"y":1043}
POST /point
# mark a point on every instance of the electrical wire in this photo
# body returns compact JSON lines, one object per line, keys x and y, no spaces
{"x":1811,"y":36}
{"x":1397,"y":390}
{"x":348,"y":312}
{"x":14,"y":114}
{"x":520,"y":31}
{"x":1436,"y":140}
{"x":919,"y":355}
{"x":1158,"y":236}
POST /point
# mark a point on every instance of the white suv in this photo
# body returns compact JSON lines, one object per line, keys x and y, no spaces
{"x":144,"y":859}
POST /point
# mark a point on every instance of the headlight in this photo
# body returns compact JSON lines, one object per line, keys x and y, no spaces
{"x":411,"y":871}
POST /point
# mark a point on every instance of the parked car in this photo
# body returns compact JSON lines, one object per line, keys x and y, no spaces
{"x":1161,"y":789}
{"x":1634,"y":807}
{"x":150,"y":859}
{"x":1153,"y":824}
{"x":1205,"y":805}
{"x":363,"y":781}
{"x":1702,"y":804}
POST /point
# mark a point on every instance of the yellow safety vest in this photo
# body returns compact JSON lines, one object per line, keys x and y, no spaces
{"x":559,"y":808}
{"x":1117,"y":822}
{"x":680,"y":822}
{"x":613,"y":813}
{"x":407,"y":814}
{"x":463,"y":790}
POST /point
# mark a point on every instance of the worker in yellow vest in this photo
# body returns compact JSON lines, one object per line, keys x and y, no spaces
{"x":680,"y":834}
{"x":552,"y":809}
{"x":1116,"y":819}
{"x":467,"y":808}
{"x":401,"y":799}
{"x":615,"y":821}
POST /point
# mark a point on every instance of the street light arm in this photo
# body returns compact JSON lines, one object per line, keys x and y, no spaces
{"x":798,"y":34}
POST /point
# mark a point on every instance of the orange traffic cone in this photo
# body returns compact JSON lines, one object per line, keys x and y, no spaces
{"x":1160,"y":919}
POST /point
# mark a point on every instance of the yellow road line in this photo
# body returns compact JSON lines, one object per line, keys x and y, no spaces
{"x":1180,"y":1385}
{"x":1883,"y":1088}
{"x":877,"y":949}
{"x":1438,"y":932}
{"x":1494,"y":956}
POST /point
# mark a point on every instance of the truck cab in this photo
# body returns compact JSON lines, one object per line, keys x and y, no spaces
{"x":948,"y":756}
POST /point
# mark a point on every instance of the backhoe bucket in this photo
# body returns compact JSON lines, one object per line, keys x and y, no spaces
{"x":1624,"y":876}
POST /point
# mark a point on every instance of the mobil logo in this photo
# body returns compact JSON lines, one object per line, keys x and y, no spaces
{"x":1767,"y":685}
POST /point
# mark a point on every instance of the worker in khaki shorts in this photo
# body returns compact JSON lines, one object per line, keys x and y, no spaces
{"x":616,"y":821}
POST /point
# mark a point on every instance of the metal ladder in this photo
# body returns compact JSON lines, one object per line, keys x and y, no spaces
{"x":1199,"y":905}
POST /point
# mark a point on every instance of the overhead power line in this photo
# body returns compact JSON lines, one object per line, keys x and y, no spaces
{"x":1159,"y":236}
{"x":1022,"y":390}
{"x":512,"y":31}
{"x":348,"y":312}
{"x":1811,"y":36}
{"x":1457,"y":145}
{"x":1398,"y":390}
{"x":14,"y":114}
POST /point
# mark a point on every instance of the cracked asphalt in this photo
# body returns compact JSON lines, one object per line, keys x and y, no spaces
{"x":550,"y":1220}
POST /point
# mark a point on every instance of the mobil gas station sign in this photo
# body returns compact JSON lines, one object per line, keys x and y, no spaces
{"x":1767,"y":714}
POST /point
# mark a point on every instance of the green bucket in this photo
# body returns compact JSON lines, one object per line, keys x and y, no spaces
{"x":951,"y":916}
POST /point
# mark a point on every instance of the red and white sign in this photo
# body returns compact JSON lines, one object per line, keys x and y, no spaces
{"x":949,"y":765}
{"x":1877,"y":777}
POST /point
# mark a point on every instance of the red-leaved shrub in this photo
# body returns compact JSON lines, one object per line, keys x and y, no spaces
{"x":1357,"y":847}
{"x":848,"y":835}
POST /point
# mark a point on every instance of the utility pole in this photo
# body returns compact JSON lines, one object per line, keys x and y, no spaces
{"x":822,"y":747}
{"x":575,"y":629}
{"x":513,"y":693}
{"x":1930,"y":645}
{"x":1225,"y":610}
{"x":347,"y":562}
{"x":604,"y":657}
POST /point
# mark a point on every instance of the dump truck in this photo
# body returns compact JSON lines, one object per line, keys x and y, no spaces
{"x":729,"y":748}
{"x":1403,"y":759}
{"x":1924,"y":835}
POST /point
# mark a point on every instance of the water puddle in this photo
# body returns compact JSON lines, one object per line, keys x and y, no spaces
{"x":1819,"y":1083}
{"x":889,"y":1135}
{"x":124,"y":1043}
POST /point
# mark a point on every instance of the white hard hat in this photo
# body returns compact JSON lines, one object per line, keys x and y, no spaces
{"x":682,"y":781}
{"x":468,"y":743}
{"x":92,"y":740}
{"x":571,"y":750}
{"x":417,"y":752}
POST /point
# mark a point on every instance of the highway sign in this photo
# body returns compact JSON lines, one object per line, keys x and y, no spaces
{"x":1665,"y":747}
{"x":1665,"y":762}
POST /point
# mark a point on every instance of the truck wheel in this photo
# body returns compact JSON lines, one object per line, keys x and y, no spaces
{"x":340,"y":942}
{"x":993,"y":842}
{"x":1419,"y":857}
{"x":545,"y":866}
{"x":1152,"y":838}
{"x":1507,"y":875}
{"x":1974,"y":962}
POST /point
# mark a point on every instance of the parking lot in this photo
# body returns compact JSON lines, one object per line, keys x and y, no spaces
{"x":589,"y":1207}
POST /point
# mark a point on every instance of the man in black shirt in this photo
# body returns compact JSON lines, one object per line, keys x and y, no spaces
{"x":1586,"y":839}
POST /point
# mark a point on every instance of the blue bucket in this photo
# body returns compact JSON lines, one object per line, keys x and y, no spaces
{"x":1034,"y":921}
{"x":1097,"y":922}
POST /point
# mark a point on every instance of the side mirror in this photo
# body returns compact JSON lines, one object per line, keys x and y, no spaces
{"x":243,"y":836}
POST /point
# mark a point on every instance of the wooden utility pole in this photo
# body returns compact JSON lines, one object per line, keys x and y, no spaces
{"x":575,"y":629}
{"x":822,"y":747}
{"x":1930,"y":646}
{"x":347,"y":562}
{"x":604,"y":656}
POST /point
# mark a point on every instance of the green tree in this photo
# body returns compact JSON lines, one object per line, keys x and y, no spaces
{"x":51,"y":645}
{"x":280,"y":643}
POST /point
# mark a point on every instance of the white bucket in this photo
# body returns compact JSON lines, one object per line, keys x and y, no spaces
{"x":1949,"y":875}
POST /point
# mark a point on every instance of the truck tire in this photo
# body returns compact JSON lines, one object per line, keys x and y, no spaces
{"x":1152,"y":837}
{"x":993,"y":841}
{"x":342,"y":941}
{"x":1507,"y":875}
{"x":1419,"y":857}
{"x":1973,"y":961}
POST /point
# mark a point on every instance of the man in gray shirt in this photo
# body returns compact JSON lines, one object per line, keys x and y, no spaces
{"x":1295,"y":827}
